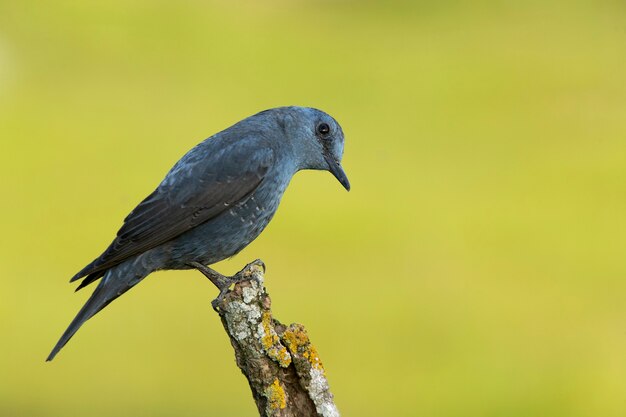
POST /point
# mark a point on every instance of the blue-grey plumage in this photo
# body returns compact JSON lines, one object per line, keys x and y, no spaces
{"x":214,"y":201}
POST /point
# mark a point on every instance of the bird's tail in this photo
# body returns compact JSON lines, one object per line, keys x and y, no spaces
{"x":115,"y":282}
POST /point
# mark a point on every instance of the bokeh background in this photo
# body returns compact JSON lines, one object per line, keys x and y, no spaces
{"x":475,"y":269}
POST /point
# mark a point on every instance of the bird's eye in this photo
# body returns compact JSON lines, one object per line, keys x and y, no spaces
{"x":323,"y":129}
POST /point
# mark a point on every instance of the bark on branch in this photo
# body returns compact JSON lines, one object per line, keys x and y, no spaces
{"x":283,"y":368}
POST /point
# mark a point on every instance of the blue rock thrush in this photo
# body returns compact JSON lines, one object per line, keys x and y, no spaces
{"x":215,"y":201}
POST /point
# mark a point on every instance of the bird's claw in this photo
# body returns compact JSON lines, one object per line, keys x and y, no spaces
{"x":218,"y":300}
{"x":256,"y":262}
{"x":224,"y":283}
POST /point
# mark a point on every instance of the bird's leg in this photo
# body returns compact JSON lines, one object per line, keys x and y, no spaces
{"x":222,"y":282}
{"x":219,"y":280}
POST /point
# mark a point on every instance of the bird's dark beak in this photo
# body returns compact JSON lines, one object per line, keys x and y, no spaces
{"x":337,"y":171}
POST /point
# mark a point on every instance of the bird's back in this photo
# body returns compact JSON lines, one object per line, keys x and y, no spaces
{"x":211,"y":183}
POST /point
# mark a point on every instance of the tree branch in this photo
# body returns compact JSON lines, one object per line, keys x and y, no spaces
{"x":283,"y":368}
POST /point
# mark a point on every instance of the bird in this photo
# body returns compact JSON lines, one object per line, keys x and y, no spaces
{"x":212,"y":203}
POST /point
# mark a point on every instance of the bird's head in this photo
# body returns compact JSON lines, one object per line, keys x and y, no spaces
{"x":318,"y":141}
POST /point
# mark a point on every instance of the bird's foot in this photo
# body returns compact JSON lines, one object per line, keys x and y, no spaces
{"x":224,"y":283}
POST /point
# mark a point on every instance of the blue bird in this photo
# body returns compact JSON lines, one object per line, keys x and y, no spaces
{"x":214,"y":201}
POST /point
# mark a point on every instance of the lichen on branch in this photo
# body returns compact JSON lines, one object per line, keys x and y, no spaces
{"x":282,"y":366}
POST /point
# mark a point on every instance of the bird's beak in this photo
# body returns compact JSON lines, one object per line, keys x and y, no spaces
{"x":337,"y":171}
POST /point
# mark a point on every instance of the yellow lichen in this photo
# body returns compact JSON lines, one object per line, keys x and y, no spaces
{"x":271,"y":342}
{"x":314,"y":358}
{"x":275,"y":394}
{"x":283,"y":357}
{"x":299,"y":344}
{"x":295,"y":336}
{"x":269,"y":338}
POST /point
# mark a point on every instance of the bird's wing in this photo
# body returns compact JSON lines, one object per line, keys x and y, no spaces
{"x":205,"y":182}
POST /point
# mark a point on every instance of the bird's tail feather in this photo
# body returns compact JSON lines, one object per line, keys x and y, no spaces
{"x":115,"y":282}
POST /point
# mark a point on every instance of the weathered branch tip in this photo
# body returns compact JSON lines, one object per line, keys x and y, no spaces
{"x":283,"y":368}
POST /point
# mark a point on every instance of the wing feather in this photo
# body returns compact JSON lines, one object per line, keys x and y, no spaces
{"x":200,"y":186}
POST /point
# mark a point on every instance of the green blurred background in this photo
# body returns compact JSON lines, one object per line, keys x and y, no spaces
{"x":476,"y":268}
